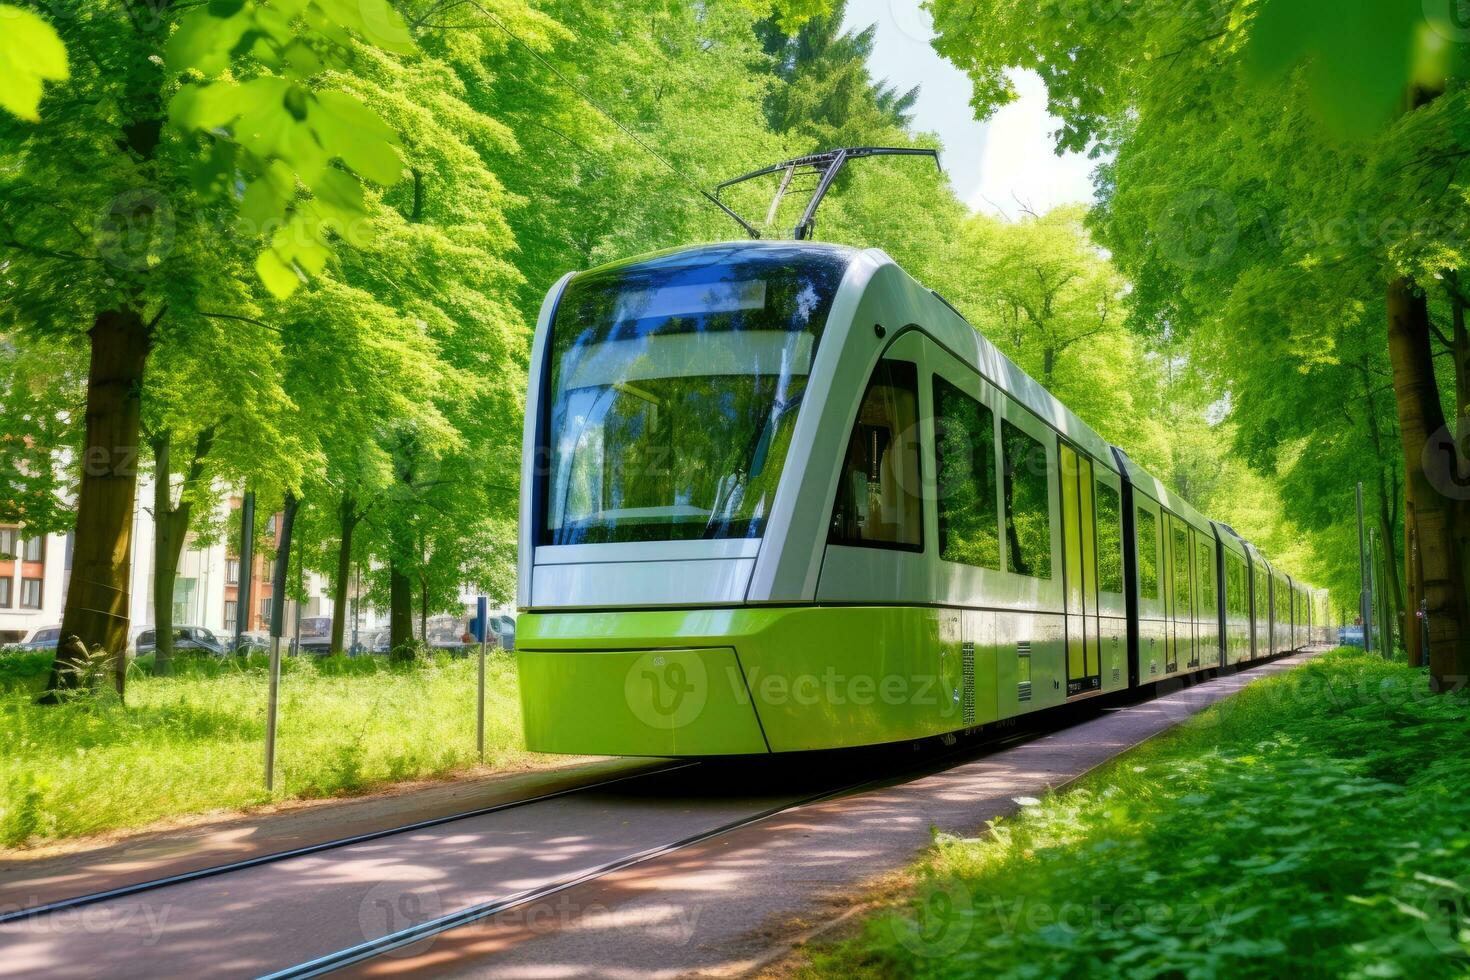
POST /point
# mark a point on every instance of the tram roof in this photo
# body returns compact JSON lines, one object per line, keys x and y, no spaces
{"x":685,"y":256}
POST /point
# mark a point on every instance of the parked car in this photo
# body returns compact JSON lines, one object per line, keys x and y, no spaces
{"x":316,"y":636}
{"x":1350,"y":636}
{"x":186,"y":639}
{"x":250,"y":643}
{"x":44,"y":638}
{"x":503,"y":631}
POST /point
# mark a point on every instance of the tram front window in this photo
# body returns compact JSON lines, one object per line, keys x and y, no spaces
{"x":675,"y":386}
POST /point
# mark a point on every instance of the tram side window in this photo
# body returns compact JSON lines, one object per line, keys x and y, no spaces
{"x":1109,"y":540}
{"x":1181,"y":568}
{"x":1206,"y":579}
{"x":964,"y":444}
{"x":878,"y":502}
{"x":1235,"y":585}
{"x":1028,"y":504}
{"x":1148,"y":555}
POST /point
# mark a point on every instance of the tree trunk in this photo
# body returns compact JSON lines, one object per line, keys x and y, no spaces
{"x":347,"y":512}
{"x":1461,"y":351}
{"x":283,"y":563}
{"x":1413,"y":631}
{"x":400,"y":610}
{"x":97,"y":592}
{"x":1386,"y":522}
{"x":424,"y":608}
{"x":168,"y":544}
{"x":1440,"y":523}
{"x":171,"y":530}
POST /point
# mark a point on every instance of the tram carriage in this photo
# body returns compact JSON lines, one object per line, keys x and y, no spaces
{"x":778,"y":496}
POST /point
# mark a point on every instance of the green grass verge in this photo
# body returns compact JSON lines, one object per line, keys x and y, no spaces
{"x":194,"y":742}
{"x":1316,"y":824}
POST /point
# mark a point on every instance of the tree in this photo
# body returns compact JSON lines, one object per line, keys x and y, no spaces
{"x":1266,"y":224}
{"x":111,"y":236}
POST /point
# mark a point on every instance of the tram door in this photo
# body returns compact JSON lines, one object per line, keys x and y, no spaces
{"x":1181,"y":565}
{"x":1079,"y":541}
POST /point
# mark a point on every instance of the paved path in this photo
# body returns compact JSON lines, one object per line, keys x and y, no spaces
{"x":725,"y":906}
{"x":30,"y":878}
{"x":740,"y":901}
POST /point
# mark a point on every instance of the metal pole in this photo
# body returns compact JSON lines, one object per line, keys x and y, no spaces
{"x":1373,"y":623}
{"x":278,"y":617}
{"x":247,"y":565}
{"x":300,"y":596}
{"x":1363,"y":600}
{"x":272,"y":704}
{"x":356,"y":611}
{"x":482,"y":610}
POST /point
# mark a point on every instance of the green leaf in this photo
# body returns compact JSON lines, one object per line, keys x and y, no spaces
{"x":279,"y":278}
{"x":31,"y":53}
{"x":261,"y":205}
{"x":205,"y":39}
{"x":339,"y":199}
{"x":1359,"y":55}
{"x":375,"y":21}
{"x":355,"y":134}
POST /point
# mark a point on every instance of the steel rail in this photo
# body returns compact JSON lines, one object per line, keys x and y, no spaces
{"x":152,"y":884}
{"x":414,"y":934}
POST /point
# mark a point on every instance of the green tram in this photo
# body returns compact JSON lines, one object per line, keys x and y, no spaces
{"x":779,"y":497}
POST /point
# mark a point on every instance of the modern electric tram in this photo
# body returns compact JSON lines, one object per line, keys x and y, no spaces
{"x":778,"y":497}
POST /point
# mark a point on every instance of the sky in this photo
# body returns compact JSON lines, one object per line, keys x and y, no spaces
{"x":997,"y":166}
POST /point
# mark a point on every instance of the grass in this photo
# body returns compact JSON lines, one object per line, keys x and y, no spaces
{"x":193,"y":742}
{"x":1316,"y":824}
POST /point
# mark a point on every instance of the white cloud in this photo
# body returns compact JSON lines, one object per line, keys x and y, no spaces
{"x":1019,"y":166}
{"x":1010,"y":156}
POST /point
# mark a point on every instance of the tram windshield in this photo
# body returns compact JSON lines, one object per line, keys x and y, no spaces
{"x":674,"y":390}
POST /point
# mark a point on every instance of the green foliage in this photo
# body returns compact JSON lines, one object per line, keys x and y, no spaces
{"x":191,"y":743}
{"x":31,"y":54}
{"x":273,"y":134}
{"x":1257,"y":199}
{"x":1294,"y":829}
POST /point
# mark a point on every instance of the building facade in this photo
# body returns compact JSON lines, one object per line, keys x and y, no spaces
{"x":33,"y":579}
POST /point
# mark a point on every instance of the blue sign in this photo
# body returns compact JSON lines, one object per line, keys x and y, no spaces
{"x":482,"y":615}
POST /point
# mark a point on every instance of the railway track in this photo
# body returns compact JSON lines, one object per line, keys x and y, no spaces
{"x":311,"y":910}
{"x":300,"y":913}
{"x":153,"y":884}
